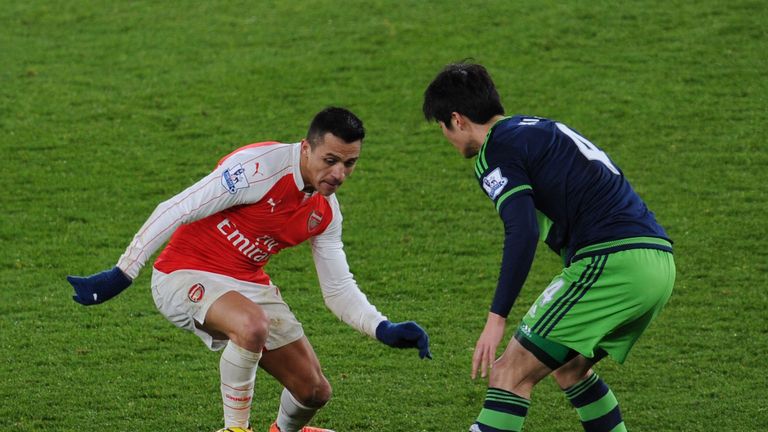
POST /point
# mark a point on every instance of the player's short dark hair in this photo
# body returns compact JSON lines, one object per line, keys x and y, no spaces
{"x":465,"y":88}
{"x":339,"y":122}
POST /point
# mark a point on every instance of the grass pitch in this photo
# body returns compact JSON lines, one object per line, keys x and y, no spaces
{"x":106,"y":109}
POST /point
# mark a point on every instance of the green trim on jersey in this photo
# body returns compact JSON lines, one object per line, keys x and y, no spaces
{"x":481,"y":163}
{"x":545,"y":225}
{"x":510,"y":192}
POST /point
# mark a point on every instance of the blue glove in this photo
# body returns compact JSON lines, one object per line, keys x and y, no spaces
{"x":404,"y":335}
{"x":100,"y":287}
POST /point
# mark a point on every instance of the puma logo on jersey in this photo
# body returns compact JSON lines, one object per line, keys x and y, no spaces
{"x":272,"y":202}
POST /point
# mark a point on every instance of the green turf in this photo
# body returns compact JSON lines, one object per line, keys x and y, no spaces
{"x":108,"y":108}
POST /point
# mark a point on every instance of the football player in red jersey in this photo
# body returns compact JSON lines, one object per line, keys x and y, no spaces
{"x":210,"y":279}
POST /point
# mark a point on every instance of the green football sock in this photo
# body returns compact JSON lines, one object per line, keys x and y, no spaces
{"x":502,"y":411}
{"x":596,"y":405}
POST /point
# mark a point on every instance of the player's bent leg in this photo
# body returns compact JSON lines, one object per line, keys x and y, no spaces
{"x":245,"y":324}
{"x":307,"y":390}
{"x":593,"y":400}
{"x":596,"y":405}
{"x":297,"y":368}
{"x":237,"y":368}
{"x":511,"y":381}
{"x":517,"y":370}
{"x":574,"y":371}
{"x":239,"y":319}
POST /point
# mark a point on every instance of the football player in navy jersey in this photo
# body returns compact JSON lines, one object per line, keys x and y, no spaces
{"x":548,"y":182}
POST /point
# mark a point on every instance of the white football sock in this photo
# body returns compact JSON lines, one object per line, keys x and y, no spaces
{"x":292,"y":415}
{"x":238,"y":376}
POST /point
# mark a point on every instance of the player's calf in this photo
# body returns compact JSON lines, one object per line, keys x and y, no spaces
{"x":314,"y":395}
{"x":294,"y":415}
{"x":596,"y":405}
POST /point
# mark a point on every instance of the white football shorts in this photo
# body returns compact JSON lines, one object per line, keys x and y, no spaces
{"x":184,"y":297}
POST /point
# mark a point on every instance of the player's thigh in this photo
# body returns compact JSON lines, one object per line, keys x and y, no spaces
{"x":298,"y":369}
{"x":185,"y":297}
{"x":517,"y":369}
{"x":574,"y":371}
{"x":239,"y":319}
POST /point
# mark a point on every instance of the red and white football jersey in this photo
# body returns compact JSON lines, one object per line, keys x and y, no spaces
{"x":249,"y":208}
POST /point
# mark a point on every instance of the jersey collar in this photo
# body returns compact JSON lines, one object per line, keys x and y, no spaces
{"x":296,"y":162}
{"x":493,"y":126}
{"x":481,"y":153}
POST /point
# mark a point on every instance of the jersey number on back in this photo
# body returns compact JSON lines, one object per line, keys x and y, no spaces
{"x":589,"y":150}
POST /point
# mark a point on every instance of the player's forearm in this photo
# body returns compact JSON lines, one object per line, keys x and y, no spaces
{"x":153,"y":234}
{"x":350,"y":305}
{"x":340,"y":291}
{"x":514,"y":270}
{"x":521,"y":236}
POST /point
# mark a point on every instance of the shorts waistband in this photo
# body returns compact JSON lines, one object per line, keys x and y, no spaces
{"x":622,"y":244}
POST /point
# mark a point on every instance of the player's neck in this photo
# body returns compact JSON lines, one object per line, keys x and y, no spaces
{"x":484,"y":129}
{"x":490,"y":123}
{"x":479,"y":131}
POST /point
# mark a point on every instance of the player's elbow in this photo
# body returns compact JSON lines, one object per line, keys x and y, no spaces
{"x":522,"y":238}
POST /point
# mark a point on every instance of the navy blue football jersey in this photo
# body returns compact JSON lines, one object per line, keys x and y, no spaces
{"x":581,"y":195}
{"x":583,"y":204}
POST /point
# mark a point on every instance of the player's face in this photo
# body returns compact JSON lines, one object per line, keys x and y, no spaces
{"x":460,"y":140}
{"x":325,"y":167}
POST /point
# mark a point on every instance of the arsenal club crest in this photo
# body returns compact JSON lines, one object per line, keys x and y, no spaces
{"x":314,"y":221}
{"x":195,"y":293}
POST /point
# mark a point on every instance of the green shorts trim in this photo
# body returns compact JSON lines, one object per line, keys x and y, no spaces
{"x":598,"y":305}
{"x":622,"y":244}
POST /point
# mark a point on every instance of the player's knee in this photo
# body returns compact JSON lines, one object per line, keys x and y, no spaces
{"x":508,"y":373}
{"x":316,"y":394}
{"x":569,"y":375}
{"x":253,"y":332}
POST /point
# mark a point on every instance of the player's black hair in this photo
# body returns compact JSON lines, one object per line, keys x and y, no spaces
{"x":339,"y":122}
{"x":465,"y":88}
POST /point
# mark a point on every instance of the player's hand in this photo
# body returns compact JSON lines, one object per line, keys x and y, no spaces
{"x":100,"y":287}
{"x":404,"y":335}
{"x":485,"y":349}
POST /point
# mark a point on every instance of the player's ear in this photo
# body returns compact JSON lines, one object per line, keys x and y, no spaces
{"x":457,"y":120}
{"x":305,"y":148}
